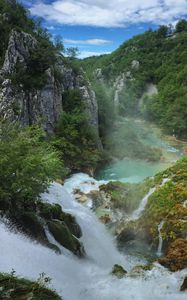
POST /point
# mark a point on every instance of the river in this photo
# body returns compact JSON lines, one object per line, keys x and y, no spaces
{"x":135,"y":170}
{"x":90,"y":278}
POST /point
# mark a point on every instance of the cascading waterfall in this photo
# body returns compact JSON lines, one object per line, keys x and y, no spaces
{"x":85,"y":279}
{"x":137,"y":213}
{"x":159,"y":250}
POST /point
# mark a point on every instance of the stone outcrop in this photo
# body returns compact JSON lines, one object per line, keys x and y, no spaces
{"x":42,"y":106}
{"x":118,"y":271}
{"x":176,"y":256}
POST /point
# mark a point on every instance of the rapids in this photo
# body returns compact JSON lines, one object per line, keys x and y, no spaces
{"x":90,"y":278}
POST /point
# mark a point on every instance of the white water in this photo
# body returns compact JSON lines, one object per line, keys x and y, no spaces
{"x":89,"y":279}
{"x":160,"y":226}
{"x":137,"y":213}
{"x":83,"y":182}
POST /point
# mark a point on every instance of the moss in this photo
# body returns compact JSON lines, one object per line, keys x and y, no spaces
{"x":64,"y":237}
{"x":125,"y":195}
{"x":15,"y":288}
{"x":118,"y":271}
{"x":30,"y":224}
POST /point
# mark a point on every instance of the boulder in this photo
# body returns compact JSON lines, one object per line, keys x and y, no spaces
{"x":64,"y":237}
{"x":118,"y":271}
{"x":105,"y":219}
{"x":176,"y":256}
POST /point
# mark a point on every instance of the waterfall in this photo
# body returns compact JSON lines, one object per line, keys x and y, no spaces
{"x":137,"y":213}
{"x":85,"y":279}
{"x":159,"y":250}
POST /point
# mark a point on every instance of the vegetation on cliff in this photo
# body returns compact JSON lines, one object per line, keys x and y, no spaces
{"x":168,"y":205}
{"x":75,"y":140}
{"x":27,"y":166}
{"x":157,"y":57}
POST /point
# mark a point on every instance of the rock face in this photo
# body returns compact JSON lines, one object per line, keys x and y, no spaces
{"x":42,"y":106}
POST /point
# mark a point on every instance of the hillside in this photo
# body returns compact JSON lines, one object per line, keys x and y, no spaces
{"x":145,"y":77}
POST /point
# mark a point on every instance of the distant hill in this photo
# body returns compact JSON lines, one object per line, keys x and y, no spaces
{"x":145,"y":77}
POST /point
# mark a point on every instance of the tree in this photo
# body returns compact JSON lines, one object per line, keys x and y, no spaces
{"x":27,"y":163}
{"x":72,"y":52}
{"x":162,"y":31}
{"x":181,"y":26}
{"x":58,"y":43}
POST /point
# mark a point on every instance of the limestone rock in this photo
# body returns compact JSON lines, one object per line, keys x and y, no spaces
{"x":41,"y":106}
{"x":19,"y":47}
{"x":135,"y":65}
{"x":64,"y":237}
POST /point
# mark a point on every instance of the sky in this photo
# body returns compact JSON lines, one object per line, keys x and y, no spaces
{"x":100,"y":26}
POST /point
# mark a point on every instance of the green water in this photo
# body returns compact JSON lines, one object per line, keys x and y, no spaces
{"x":135,"y":170}
{"x":131,"y":170}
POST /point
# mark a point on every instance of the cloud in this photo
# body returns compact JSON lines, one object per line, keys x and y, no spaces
{"x":113,"y":13}
{"x":84,"y":54}
{"x":95,"y":42}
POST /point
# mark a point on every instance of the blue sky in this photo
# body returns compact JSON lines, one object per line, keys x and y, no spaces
{"x":100,"y":26}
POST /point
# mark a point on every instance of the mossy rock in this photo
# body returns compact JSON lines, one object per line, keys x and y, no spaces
{"x":176,"y":256}
{"x":64,"y":237}
{"x":118,"y":271}
{"x":4,"y":204}
{"x":54,"y":211}
{"x":14,"y":288}
{"x":72,"y":224}
{"x":184,"y":285}
{"x":30,"y":224}
{"x":139,"y":271}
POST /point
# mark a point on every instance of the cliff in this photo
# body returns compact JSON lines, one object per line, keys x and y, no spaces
{"x":40,"y":105}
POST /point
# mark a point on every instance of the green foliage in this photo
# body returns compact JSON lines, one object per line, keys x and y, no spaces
{"x":75,"y":139}
{"x":162,"y":57}
{"x":72,"y":52}
{"x":181,"y":26}
{"x":106,"y":109}
{"x":126,"y":196}
{"x":166,"y":204}
{"x":27,"y":163}
{"x":44,"y":55}
{"x":18,"y":288}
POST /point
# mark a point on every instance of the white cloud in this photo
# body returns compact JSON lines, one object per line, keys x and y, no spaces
{"x":113,"y":13}
{"x":50,"y":27}
{"x":95,"y":42}
{"x":84,"y":54}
